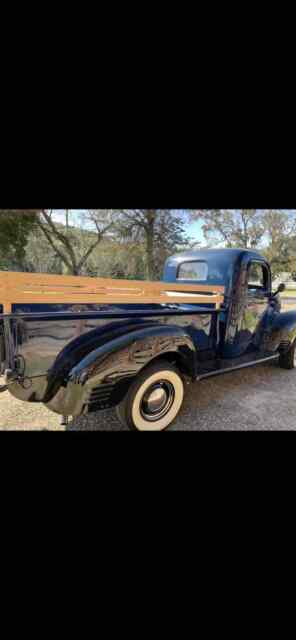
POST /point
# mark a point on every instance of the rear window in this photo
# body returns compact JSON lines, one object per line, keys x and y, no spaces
{"x":197,"y":270}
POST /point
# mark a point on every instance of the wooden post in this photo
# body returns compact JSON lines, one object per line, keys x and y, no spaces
{"x":7,"y":307}
{"x":5,"y":299}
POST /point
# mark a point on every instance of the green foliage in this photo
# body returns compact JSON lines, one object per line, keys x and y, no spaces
{"x":123,"y":251}
{"x":233,"y":228}
{"x":14,"y":232}
{"x":280,"y":227}
{"x":161,"y":232}
{"x":39,"y":255}
{"x":118,"y":259}
{"x":272,"y":232}
{"x":73,"y":247}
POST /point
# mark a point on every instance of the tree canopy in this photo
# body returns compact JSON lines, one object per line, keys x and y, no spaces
{"x":131,"y":243}
{"x":14,"y":233}
{"x":160,"y":230}
{"x":273,"y":232}
{"x":134,"y":243}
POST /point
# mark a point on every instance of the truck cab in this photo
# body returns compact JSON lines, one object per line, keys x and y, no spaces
{"x":249,"y":306}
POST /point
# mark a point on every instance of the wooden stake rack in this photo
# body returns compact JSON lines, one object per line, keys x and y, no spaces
{"x":37,"y":288}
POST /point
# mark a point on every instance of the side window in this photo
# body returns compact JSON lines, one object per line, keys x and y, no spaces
{"x":258,"y":277}
{"x":197,"y":270}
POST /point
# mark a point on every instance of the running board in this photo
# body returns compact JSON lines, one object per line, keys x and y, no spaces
{"x":217,"y":372}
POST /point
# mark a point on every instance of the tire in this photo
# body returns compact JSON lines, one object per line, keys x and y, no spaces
{"x":287,"y":360}
{"x":153,"y":400}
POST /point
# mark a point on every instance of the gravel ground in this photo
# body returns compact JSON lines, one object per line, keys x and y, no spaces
{"x":261,"y":397}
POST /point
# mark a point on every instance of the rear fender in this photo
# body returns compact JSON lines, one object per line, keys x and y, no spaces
{"x":102,"y":378}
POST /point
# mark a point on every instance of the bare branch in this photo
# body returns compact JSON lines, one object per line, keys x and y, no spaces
{"x":53,"y":245}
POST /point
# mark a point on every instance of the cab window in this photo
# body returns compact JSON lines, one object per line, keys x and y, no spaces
{"x":258,"y":277}
{"x":197,"y":270}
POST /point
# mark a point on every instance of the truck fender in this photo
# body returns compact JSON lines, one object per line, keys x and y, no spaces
{"x":101,"y":379}
{"x":283,"y":331}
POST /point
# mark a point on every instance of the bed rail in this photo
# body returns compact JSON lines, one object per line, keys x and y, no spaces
{"x":30,"y":288}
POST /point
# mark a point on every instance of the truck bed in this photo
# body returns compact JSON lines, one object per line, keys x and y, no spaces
{"x":46,"y":319}
{"x":38,"y":342}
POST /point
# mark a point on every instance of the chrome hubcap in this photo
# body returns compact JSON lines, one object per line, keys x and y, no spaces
{"x":157,"y":400}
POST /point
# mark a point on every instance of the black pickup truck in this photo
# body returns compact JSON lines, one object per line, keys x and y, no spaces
{"x":79,"y":358}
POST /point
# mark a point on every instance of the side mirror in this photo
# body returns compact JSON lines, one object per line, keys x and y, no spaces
{"x":280,"y":289}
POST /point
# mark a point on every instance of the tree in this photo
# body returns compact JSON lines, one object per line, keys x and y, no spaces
{"x":118,"y":258}
{"x":280,"y":230}
{"x":161,"y":230}
{"x":15,"y":228}
{"x":40,"y":257}
{"x":233,"y":228}
{"x":72,"y":248}
{"x":270,"y":231}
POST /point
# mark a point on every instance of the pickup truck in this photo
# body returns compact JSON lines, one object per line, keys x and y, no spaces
{"x":83,"y":345}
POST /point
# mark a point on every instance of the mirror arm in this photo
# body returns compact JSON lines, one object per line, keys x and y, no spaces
{"x":280,"y":288}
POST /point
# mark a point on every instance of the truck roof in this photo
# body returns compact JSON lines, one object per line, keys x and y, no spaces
{"x":215,"y":254}
{"x":222,"y":263}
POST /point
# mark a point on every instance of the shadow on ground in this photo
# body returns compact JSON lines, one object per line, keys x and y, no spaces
{"x":98,"y":421}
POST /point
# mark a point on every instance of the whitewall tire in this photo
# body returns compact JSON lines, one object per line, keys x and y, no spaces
{"x":154,"y":399}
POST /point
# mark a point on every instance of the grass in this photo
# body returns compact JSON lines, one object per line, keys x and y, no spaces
{"x":289,"y":293}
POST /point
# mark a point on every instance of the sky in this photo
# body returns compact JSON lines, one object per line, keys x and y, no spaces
{"x":195,"y":231}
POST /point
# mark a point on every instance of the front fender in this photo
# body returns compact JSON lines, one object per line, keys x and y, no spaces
{"x":283,"y":331}
{"x":102,"y":378}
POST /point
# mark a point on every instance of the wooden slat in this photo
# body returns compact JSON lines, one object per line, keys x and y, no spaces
{"x":17,"y":288}
{"x":14,"y":277}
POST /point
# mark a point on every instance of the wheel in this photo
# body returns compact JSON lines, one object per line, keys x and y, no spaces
{"x":288,"y":360}
{"x":153,"y":400}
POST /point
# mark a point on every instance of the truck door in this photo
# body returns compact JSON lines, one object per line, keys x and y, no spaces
{"x":255,"y":306}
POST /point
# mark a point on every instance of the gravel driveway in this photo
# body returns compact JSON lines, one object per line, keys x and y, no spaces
{"x":261,"y":397}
